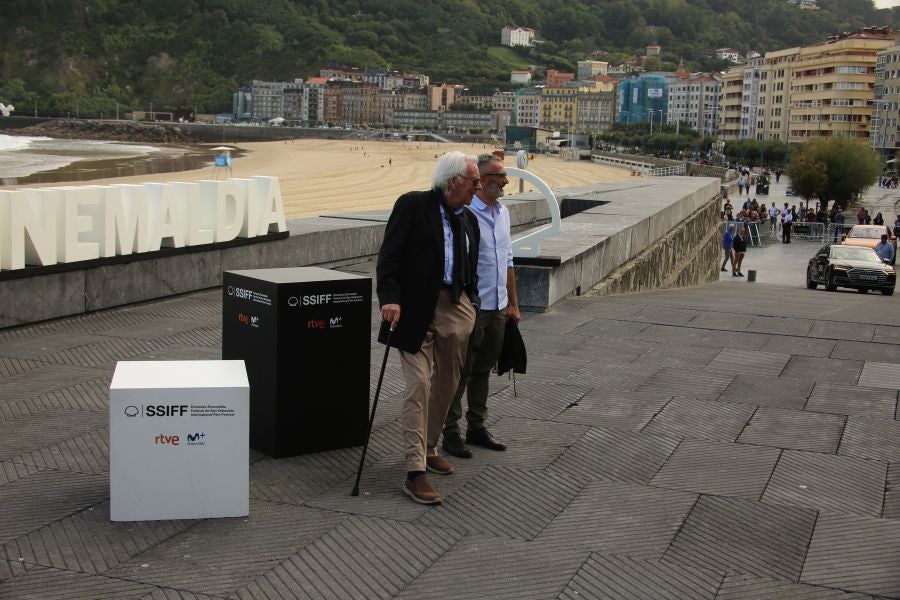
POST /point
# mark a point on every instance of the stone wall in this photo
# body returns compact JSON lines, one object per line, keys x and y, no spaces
{"x":688,"y":255}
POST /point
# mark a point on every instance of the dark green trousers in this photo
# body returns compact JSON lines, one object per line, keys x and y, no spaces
{"x":483,"y":350}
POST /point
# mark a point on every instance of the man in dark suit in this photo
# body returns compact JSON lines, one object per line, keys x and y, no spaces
{"x":427,"y":285}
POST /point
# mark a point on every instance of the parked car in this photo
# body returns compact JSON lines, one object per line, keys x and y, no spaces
{"x":839,"y":265}
{"x":868,"y":236}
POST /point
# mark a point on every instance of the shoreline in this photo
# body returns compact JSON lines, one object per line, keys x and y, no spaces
{"x":333,"y":176}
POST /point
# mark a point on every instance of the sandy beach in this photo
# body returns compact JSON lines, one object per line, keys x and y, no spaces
{"x":320,"y":177}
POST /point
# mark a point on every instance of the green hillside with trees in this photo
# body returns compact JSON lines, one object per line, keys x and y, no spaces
{"x":89,"y":57}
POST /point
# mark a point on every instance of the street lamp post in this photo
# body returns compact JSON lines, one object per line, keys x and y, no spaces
{"x":651,"y":111}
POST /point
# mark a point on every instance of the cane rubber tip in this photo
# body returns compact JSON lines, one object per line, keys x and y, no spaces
{"x":355,"y":492}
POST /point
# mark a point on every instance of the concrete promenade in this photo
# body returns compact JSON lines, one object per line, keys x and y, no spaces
{"x":736,"y":440}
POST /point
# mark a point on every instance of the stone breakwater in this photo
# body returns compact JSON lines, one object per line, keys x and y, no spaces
{"x":120,"y":131}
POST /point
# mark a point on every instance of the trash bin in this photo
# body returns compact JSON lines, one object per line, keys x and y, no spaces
{"x":723,"y":190}
{"x":304,"y":335}
{"x":751,"y":275}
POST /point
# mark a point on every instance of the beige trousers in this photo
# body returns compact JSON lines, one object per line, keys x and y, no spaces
{"x":431,"y":376}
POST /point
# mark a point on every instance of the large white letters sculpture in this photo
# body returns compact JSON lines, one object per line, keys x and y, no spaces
{"x":46,"y":226}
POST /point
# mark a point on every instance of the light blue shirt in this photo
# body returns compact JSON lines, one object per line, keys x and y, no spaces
{"x":494,"y":253}
{"x":448,"y":244}
{"x":885,"y":250}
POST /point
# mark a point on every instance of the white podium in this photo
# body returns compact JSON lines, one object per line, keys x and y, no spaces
{"x":179,"y":445}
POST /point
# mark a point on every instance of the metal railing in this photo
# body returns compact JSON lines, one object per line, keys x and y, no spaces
{"x":819,"y":232}
{"x":756,"y":234}
{"x":667,"y":171}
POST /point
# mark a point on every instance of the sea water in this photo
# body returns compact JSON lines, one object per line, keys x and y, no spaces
{"x":21,"y":156}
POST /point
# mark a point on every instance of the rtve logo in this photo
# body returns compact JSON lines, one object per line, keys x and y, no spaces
{"x":166,"y":440}
{"x":316,"y":324}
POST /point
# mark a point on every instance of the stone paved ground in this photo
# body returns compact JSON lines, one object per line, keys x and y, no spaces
{"x":720,"y":442}
{"x":737,"y":440}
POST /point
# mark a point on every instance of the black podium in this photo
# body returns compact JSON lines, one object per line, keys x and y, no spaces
{"x":304,"y":335}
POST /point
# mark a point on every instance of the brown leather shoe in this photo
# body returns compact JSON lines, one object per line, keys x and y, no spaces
{"x":421,"y":490}
{"x":484,"y":438}
{"x":438,"y":464}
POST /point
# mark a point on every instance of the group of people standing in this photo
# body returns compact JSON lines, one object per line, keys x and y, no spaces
{"x":864,"y":218}
{"x":446,"y":287}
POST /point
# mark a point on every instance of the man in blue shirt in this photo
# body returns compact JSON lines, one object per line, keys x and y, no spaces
{"x":499,"y":302}
{"x":885,"y":249}
{"x":727,"y":245}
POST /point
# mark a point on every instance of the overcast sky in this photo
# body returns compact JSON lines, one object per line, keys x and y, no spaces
{"x":887,"y":3}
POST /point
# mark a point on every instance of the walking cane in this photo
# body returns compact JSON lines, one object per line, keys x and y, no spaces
{"x":362,"y":459}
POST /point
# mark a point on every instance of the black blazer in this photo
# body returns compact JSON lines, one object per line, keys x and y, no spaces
{"x":410,"y":269}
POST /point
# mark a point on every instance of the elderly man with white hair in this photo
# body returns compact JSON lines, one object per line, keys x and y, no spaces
{"x":427,"y":285}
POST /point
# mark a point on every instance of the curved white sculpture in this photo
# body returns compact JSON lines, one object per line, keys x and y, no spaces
{"x":529,"y":245}
{"x":5,"y":110}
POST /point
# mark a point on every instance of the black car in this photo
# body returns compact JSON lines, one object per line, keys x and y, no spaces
{"x":835,"y":265}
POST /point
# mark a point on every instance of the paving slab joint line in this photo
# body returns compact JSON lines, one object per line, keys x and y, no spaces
{"x":443,"y":554}
{"x":884,"y":494}
{"x":747,"y":424}
{"x":656,"y":414}
{"x":772,"y":474}
{"x":590,"y":553}
{"x":687,"y":515}
{"x":812,"y":533}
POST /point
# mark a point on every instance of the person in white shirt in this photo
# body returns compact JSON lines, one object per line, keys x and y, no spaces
{"x":773,"y":218}
{"x":787,"y":219}
{"x":499,"y":302}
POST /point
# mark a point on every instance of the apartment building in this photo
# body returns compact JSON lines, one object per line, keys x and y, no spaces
{"x":825,"y":89}
{"x":267,"y":99}
{"x":556,"y":78}
{"x":293,"y":100}
{"x":595,"y":109}
{"x":558,"y":107}
{"x":883,"y":132}
{"x":643,"y":96}
{"x":588,"y":69}
{"x":694,"y":99}
{"x":752,"y":78}
{"x":527,"y":107}
{"x":313,"y":109}
{"x":578,"y":106}
{"x":442,"y":95}
{"x":731,"y":103}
